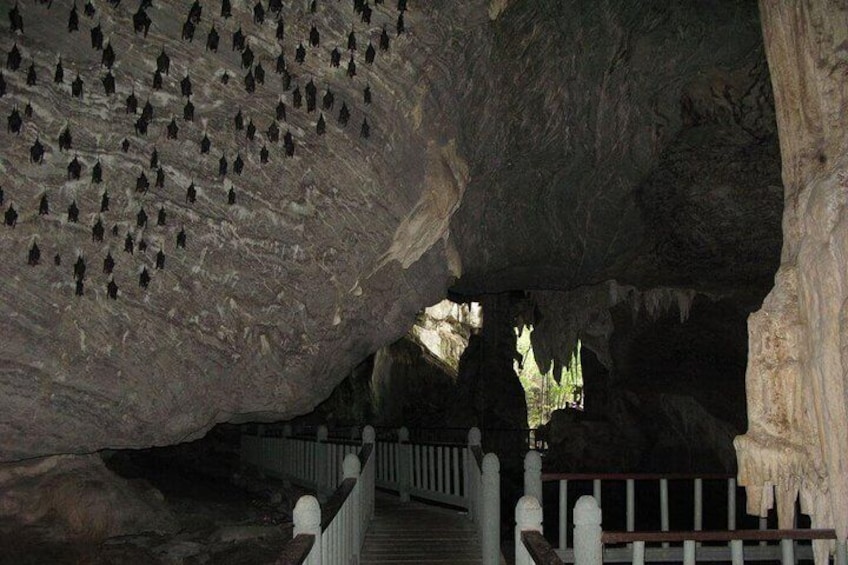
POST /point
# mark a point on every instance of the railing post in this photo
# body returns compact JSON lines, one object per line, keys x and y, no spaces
{"x":528,"y":516}
{"x":588,"y":549}
{"x":404,"y":463}
{"x":351,"y":469}
{"x":287,"y":456}
{"x":369,"y":437}
{"x":533,"y":475}
{"x":307,"y":520}
{"x":323,"y":473}
{"x":491,"y":509}
{"x":260,"y":450}
{"x":474,"y":440}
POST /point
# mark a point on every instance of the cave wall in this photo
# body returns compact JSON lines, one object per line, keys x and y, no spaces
{"x":796,"y":384}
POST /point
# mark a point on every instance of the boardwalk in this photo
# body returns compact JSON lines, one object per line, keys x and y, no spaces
{"x":419,"y":533}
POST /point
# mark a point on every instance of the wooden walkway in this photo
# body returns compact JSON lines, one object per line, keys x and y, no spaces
{"x":419,"y":533}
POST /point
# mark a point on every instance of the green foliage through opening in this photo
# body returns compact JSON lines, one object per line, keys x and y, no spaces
{"x":542,"y":393}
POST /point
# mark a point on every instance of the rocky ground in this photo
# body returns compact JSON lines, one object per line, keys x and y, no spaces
{"x":236,"y":519}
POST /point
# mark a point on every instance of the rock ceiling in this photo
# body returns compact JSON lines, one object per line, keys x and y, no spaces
{"x":213,"y":210}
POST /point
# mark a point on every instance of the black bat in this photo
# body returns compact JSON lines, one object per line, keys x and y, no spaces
{"x":97,"y":231}
{"x":97,"y":173}
{"x":141,"y":219}
{"x":281,"y":111}
{"x":351,"y":41}
{"x":13,"y":58}
{"x":97,"y":37}
{"x":195,"y":12}
{"x":141,"y":22}
{"x":65,"y":139}
{"x":14,"y":122}
{"x":281,"y":30}
{"x":238,"y":40}
{"x":314,"y":37}
{"x":212,"y":40}
{"x":125,"y":145}
{"x":108,"y":263}
{"x":250,"y":132}
{"x":275,"y":6}
{"x":329,"y":100}
{"x":161,"y":217}
{"x":191,"y":194}
{"x":160,"y":260}
{"x":157,"y":80}
{"x":238,"y":121}
{"x":249,"y":82}
{"x":59,"y":73}
{"x":259,"y":73}
{"x":258,"y":14}
{"x":16,"y":21}
{"x":401,"y":5}
{"x":79,"y":288}
{"x":238,"y":164}
{"x":263,"y":155}
{"x":79,"y":268}
{"x":74,"y":169}
{"x":384,"y":40}
{"x":288,"y":143}
{"x":222,"y":166}
{"x":366,"y":95}
{"x":172,"y":130}
{"x":226,"y":9}
{"x":107,"y":59}
{"x":73,"y":212}
{"x":188,"y":111}
{"x":147,"y":111}
{"x":28,"y":110}
{"x":188,"y":30}
{"x":311,"y":95}
{"x":205,"y":144}
{"x":140,"y":128}
{"x":36,"y":152}
{"x":104,"y":201}
{"x":185,"y":86}
{"x":43,"y":206}
{"x":321,"y":126}
{"x":401,"y":26}
{"x":160,"y":178}
{"x":351,"y":67}
{"x":281,"y":64}
{"x":77,"y":87}
{"x":181,"y":238}
{"x":144,"y":278}
{"x":89,"y":10}
{"x":365,"y":130}
{"x":335,"y":57}
{"x":2,"y":86}
{"x":246,"y":57}
{"x":141,"y":183}
{"x":132,"y":103}
{"x":370,"y":53}
{"x":297,"y":99}
{"x":299,"y":54}
{"x":57,"y":259}
{"x":73,"y":19}
{"x":112,"y":289}
{"x":32,"y":77}
{"x":154,"y":158}
{"x":10,"y":218}
{"x":366,"y":14}
{"x":273,"y":133}
{"x":231,"y":196}
{"x":109,"y":83}
{"x":286,"y":79}
{"x":163,"y":62}
{"x":34,"y":256}
{"x":344,"y":115}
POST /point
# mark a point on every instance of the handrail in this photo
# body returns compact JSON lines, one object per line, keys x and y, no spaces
{"x":716,"y":536}
{"x":539,"y":549}
{"x":335,"y":502}
{"x":297,"y":550}
{"x":548,"y":477}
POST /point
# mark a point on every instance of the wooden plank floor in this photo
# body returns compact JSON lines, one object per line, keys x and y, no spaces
{"x":418,"y":533}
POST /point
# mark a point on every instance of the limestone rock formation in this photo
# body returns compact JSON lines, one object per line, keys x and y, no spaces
{"x":797,"y":432}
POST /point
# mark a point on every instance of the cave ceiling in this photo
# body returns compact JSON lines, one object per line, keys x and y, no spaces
{"x":213,"y":210}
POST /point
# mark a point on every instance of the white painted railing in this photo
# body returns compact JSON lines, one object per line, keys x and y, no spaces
{"x":334,"y":534}
{"x":448,"y":473}
{"x":592,"y":546}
